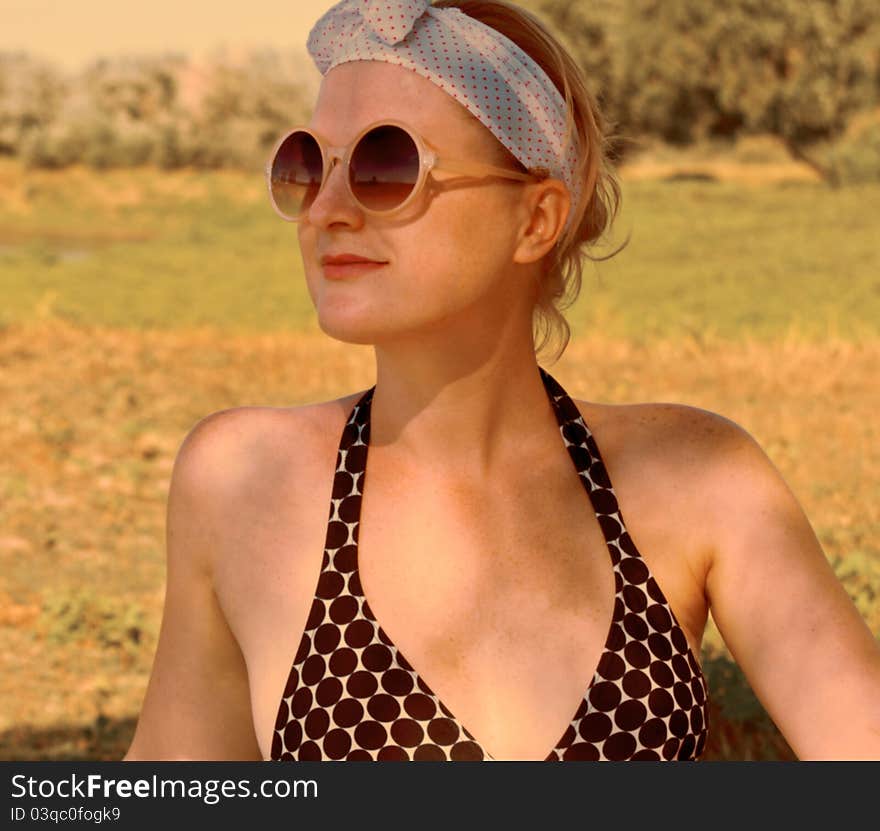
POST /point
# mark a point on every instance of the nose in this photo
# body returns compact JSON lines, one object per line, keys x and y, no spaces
{"x":334,"y":205}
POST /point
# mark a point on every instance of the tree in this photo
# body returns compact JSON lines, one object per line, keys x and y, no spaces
{"x":31,"y":92}
{"x":684,"y":70}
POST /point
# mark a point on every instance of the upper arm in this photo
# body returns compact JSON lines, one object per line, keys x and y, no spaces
{"x":197,"y":704}
{"x":785,"y":617}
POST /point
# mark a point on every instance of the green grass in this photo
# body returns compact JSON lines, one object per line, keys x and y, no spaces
{"x":732,"y":260}
{"x":704,"y":257}
{"x":167,"y":262}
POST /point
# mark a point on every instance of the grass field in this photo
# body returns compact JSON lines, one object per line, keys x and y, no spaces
{"x":137,"y":248}
{"x":135,"y":303}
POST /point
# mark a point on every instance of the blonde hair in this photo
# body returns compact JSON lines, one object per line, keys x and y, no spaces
{"x":600,"y":197}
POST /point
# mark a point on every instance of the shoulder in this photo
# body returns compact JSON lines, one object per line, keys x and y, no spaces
{"x":243,"y":443}
{"x":696,"y":466}
{"x":720,"y":456}
{"x":248,"y":456}
{"x":689,"y":439}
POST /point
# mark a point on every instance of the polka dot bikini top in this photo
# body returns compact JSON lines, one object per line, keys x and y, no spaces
{"x":352,"y":695}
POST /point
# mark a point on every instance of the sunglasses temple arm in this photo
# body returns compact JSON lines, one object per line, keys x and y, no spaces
{"x":477,"y":169}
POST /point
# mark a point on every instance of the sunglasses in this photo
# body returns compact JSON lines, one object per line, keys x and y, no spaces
{"x":386,"y":167}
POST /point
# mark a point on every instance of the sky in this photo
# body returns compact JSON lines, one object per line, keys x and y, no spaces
{"x":72,"y":32}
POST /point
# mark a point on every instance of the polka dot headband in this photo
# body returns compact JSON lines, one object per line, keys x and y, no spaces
{"x":478,"y":66}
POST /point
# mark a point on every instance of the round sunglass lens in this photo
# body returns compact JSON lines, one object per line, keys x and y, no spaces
{"x":296,"y":174}
{"x":384,"y":168}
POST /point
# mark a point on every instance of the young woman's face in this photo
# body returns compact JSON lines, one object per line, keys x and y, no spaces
{"x":447,"y":255}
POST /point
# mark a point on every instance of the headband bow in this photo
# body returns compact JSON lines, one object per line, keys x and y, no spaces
{"x":393,"y":25}
{"x":382,"y":20}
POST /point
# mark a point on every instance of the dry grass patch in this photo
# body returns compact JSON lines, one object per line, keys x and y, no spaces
{"x":92,"y":420}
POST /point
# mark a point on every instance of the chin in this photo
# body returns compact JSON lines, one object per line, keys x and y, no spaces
{"x":369,"y":327}
{"x":351,"y":325}
{"x":346,"y":333}
{"x":361,"y":315}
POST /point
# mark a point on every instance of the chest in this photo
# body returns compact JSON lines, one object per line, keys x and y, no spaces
{"x":499,"y":597}
{"x":500,"y":600}
{"x":451,"y":550}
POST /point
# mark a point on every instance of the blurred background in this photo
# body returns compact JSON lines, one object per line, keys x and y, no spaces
{"x":145,"y":282}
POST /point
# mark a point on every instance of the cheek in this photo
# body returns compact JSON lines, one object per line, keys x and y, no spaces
{"x":442,"y":276}
{"x":311,"y":270}
{"x":469,"y":252}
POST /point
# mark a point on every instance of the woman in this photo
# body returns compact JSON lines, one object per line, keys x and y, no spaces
{"x":512,"y":613}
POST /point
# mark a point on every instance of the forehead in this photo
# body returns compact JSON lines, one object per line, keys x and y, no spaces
{"x":358,"y":93}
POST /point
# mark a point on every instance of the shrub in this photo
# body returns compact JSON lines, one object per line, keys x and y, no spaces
{"x":31,"y":93}
{"x":855,"y":158}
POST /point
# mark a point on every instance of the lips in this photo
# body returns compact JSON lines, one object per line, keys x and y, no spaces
{"x":347,"y":259}
{"x":342,"y":266}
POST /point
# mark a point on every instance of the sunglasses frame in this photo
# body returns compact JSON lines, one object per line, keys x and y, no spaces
{"x":428,"y":161}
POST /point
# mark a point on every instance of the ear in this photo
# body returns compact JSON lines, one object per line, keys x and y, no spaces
{"x":545,"y":207}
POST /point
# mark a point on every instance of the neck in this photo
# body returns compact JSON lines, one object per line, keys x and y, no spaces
{"x":468,"y":401}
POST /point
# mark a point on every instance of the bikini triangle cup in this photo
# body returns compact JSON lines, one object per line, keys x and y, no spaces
{"x":351,"y":694}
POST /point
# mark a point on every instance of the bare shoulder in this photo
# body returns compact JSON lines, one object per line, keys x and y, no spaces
{"x":242,"y":478}
{"x":242,"y":440}
{"x":725,"y":463}
{"x":678,"y":440}
{"x":689,"y":475}
{"x":244,"y":453}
